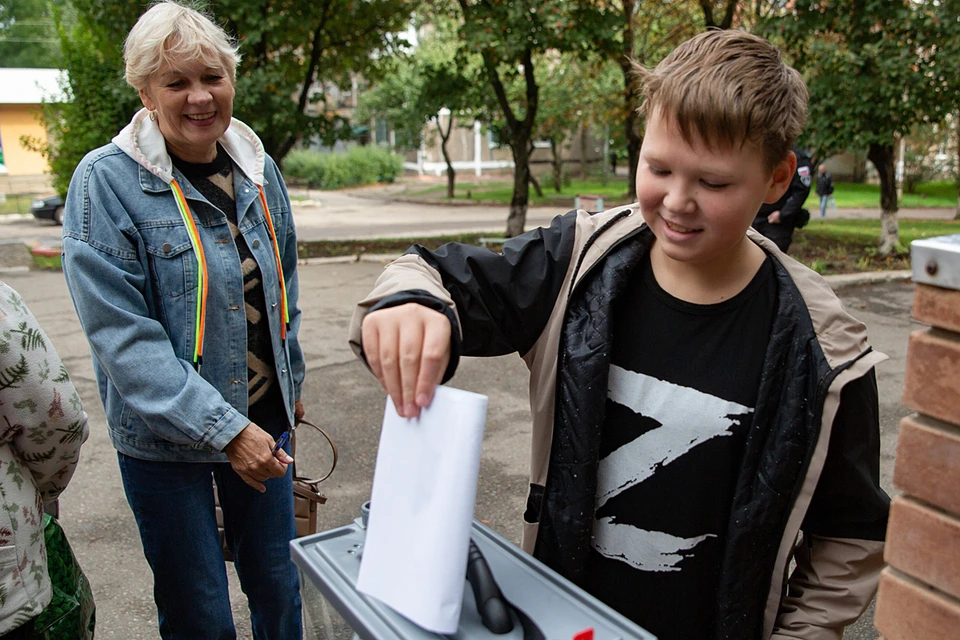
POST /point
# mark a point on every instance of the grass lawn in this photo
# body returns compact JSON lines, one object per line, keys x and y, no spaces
{"x":867,"y":196}
{"x":613,"y":191}
{"x":849,"y":246}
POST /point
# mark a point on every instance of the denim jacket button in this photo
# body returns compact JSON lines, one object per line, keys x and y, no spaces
{"x":256,"y":243}
{"x":273,"y":306}
{"x":166,"y":247}
{"x":283,"y":370}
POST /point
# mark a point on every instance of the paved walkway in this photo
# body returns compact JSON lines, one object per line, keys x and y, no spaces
{"x":344,"y":398}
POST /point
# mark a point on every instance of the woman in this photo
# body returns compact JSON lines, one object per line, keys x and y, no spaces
{"x":42,"y":425}
{"x":180,"y":255}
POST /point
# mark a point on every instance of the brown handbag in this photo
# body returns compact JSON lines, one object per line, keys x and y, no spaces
{"x":306,"y":494}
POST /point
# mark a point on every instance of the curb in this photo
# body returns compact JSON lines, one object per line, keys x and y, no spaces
{"x":840,"y":281}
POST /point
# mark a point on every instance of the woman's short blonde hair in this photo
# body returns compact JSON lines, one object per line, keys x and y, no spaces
{"x":729,"y":88}
{"x":171,"y":32}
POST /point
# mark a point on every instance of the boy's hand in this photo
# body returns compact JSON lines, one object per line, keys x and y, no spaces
{"x":774,"y":218}
{"x":408,"y":348}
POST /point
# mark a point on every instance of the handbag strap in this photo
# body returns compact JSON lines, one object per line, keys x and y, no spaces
{"x":293,"y":448}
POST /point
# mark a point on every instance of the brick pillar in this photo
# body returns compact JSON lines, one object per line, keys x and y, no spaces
{"x":919,"y":595}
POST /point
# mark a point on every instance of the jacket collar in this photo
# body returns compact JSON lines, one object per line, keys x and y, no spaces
{"x":144,"y":143}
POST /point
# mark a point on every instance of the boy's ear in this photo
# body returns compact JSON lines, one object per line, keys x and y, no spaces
{"x":781,"y":178}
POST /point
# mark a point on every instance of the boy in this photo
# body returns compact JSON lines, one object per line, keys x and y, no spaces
{"x":698,"y":398}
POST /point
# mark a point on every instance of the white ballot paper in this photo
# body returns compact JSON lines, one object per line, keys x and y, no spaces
{"x":421,"y":509}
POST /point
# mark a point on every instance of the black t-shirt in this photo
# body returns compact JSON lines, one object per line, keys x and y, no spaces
{"x":681,"y":393}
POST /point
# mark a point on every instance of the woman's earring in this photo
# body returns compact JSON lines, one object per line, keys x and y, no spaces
{"x":153,"y":116}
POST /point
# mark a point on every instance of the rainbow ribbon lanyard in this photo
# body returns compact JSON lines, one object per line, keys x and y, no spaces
{"x":202,"y":274}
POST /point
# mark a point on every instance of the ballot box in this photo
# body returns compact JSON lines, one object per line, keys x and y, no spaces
{"x":329,"y":563}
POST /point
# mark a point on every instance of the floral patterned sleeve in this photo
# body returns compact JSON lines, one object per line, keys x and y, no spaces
{"x":41,"y":416}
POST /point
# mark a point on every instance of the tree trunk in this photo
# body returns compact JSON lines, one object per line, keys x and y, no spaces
{"x":451,"y":174}
{"x":517,"y":219}
{"x":882,"y":158}
{"x":520,"y":133}
{"x":557,"y":166}
{"x":444,"y":138}
{"x":536,"y":184}
{"x":583,"y":151}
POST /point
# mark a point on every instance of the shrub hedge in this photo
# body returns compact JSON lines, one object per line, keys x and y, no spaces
{"x":359,"y":165}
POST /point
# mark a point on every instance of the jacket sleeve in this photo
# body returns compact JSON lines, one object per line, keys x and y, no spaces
{"x":838,"y":562}
{"x":107,"y":281}
{"x":500,"y":301}
{"x":42,"y":417}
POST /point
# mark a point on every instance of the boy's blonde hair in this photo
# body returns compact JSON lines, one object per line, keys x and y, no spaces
{"x":729,"y":88}
{"x":171,"y":32}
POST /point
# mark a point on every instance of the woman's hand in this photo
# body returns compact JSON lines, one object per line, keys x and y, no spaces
{"x":408,"y":348}
{"x":251,"y":456}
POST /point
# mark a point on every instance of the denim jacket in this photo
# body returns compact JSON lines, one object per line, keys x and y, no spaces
{"x":132,"y":274}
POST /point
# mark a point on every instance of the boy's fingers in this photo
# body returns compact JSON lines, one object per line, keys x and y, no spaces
{"x":411,"y":344}
{"x":390,"y":366}
{"x":434,"y":360}
{"x":370,"y":332}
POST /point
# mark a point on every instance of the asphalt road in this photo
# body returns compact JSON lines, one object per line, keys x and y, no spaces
{"x":342,"y":396}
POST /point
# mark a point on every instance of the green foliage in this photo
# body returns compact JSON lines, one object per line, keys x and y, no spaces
{"x":28,"y":35}
{"x":288,"y":48}
{"x":413,"y":88}
{"x":98,"y":102}
{"x":360,"y":165}
{"x":291,"y":47}
{"x":866,"y":196}
{"x":860,"y":61}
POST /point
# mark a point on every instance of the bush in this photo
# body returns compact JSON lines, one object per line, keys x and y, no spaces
{"x":359,"y":165}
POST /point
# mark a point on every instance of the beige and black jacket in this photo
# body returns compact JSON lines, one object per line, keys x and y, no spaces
{"x":811,"y":461}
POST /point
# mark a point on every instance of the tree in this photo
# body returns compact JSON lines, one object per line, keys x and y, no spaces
{"x":28,"y":35}
{"x":860,"y":59}
{"x":510,"y":37}
{"x":722,"y":19}
{"x":98,"y":103}
{"x":647,"y":33}
{"x":941,"y":35}
{"x":288,"y":48}
{"x":414,"y":88}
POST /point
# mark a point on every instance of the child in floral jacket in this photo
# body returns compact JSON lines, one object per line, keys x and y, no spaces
{"x":42,"y":425}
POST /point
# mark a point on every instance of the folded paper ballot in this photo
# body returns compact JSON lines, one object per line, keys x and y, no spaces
{"x":421,"y":509}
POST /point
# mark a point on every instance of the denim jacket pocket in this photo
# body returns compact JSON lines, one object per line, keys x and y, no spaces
{"x":173,"y":264}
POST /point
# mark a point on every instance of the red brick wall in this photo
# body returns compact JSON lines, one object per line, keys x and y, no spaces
{"x":919,"y":597}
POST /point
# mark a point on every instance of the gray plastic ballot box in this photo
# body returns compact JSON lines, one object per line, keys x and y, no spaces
{"x":329,"y":563}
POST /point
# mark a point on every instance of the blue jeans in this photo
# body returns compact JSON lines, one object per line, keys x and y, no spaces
{"x":174,"y":508}
{"x":823,"y":205}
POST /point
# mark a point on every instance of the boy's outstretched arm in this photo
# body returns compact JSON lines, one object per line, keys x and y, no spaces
{"x":428,"y":306}
{"x":408,"y":349}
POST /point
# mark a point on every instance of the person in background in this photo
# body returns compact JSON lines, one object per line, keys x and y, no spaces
{"x":42,"y":426}
{"x":699,"y":399}
{"x":824,"y":188}
{"x":777,"y":220}
{"x":180,"y":253}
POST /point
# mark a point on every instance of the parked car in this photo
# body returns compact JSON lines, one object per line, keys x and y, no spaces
{"x":49,"y":208}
